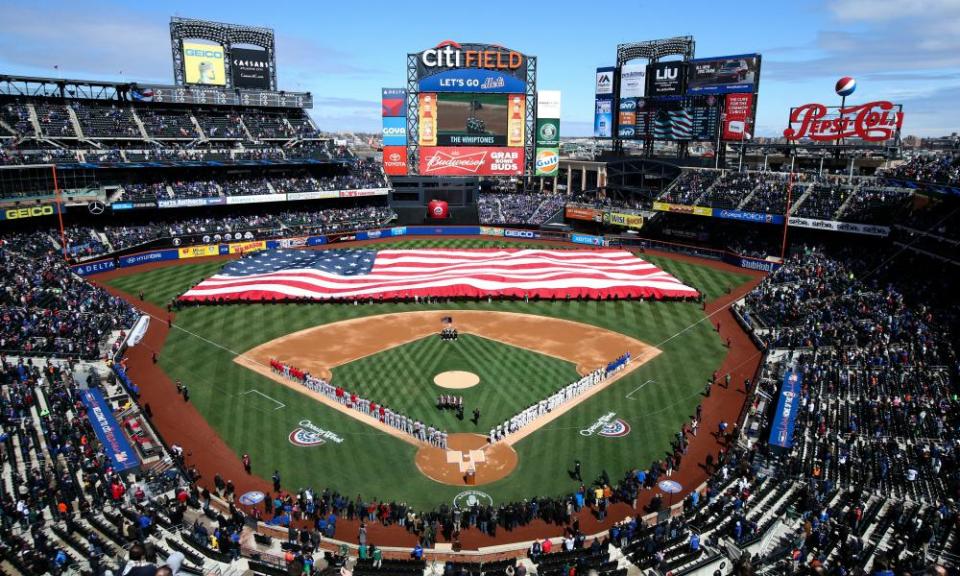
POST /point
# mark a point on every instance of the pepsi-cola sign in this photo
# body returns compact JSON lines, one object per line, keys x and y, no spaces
{"x":871,"y":122}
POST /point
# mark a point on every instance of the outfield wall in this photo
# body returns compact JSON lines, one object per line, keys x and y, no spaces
{"x":241,"y":247}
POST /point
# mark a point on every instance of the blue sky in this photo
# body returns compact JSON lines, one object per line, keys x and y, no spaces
{"x":907,"y":51}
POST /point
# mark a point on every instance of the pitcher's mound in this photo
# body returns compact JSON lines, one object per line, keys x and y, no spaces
{"x":456,"y":379}
{"x":465,"y":452}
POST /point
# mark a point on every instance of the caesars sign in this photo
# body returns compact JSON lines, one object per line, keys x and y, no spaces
{"x":251,"y":68}
{"x":455,"y":67}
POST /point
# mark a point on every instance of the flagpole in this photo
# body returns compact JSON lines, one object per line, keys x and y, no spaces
{"x":786,"y":216}
{"x":59,"y":196}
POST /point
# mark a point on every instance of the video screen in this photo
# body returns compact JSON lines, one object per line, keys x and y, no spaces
{"x":473,"y":119}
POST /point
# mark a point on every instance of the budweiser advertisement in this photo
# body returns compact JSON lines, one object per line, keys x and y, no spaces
{"x":472,"y":161}
{"x":736,"y":118}
{"x":871,"y":122}
{"x":395,"y":160}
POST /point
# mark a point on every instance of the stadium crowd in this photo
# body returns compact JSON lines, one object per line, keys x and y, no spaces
{"x":109,"y":119}
{"x":363,"y":175}
{"x":86,"y":242}
{"x":47,"y":310}
{"x":527,"y":209}
{"x":868,"y":487}
{"x":941,"y":168}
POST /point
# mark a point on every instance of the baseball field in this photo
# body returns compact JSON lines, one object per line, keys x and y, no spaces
{"x":517,"y":357}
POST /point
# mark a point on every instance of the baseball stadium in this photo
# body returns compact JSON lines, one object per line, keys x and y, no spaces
{"x":235,"y":339}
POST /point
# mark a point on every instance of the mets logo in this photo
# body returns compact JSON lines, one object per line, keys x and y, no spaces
{"x":308,"y":434}
{"x":608,"y":426}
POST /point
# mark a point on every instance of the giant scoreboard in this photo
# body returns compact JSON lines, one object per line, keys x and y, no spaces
{"x":700,"y":99}
{"x":468,"y":110}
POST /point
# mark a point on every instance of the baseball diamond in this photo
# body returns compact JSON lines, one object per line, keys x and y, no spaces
{"x":370,"y":346}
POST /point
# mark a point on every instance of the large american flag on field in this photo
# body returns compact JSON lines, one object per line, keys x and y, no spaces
{"x":398,"y":274}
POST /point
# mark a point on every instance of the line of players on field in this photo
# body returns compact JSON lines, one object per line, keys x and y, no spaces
{"x":555,"y":400}
{"x":401,"y":422}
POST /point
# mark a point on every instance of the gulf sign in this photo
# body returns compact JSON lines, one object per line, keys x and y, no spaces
{"x":395,"y":160}
{"x":472,"y":161}
{"x":547,"y":161}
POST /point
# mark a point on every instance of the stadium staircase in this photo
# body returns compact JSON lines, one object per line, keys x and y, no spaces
{"x":706,"y":192}
{"x":553,"y":216}
{"x":246,"y":131}
{"x":669,"y":189}
{"x":748,"y":197}
{"x":556,"y":218}
{"x":34,"y":120}
{"x":196,"y":124}
{"x":139,"y":123}
{"x":807,"y":190}
{"x":74,"y":121}
{"x":849,"y":200}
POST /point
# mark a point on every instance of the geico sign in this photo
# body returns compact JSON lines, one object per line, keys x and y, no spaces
{"x":449,"y":54}
{"x":16,"y":213}
{"x":395,"y":131}
{"x":197,"y":53}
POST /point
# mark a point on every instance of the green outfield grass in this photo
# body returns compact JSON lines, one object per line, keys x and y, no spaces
{"x":654,"y":399}
{"x":510,"y":379}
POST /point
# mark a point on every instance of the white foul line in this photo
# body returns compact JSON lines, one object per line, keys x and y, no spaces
{"x":255,"y":391}
{"x":639,"y":387}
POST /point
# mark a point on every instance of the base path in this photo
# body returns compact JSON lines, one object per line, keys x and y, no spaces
{"x":456,"y":379}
